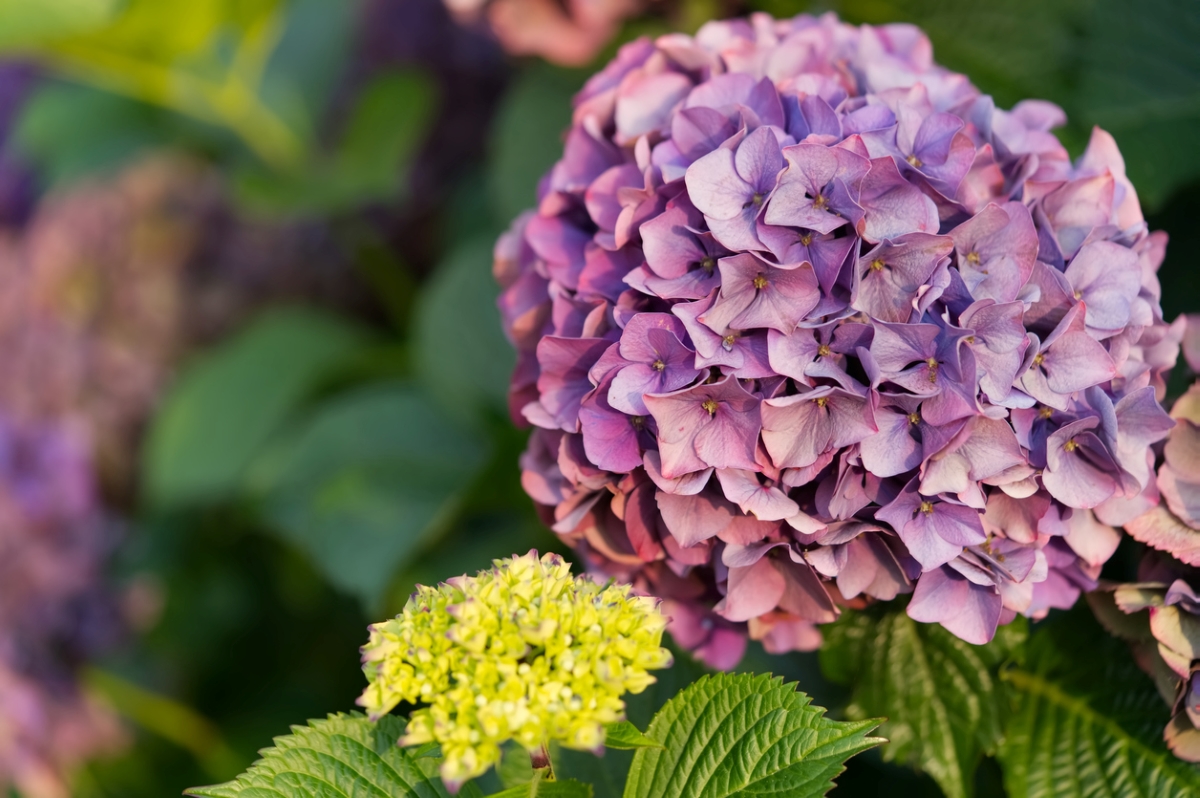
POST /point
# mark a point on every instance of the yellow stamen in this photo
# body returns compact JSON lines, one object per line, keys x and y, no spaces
{"x":710,"y":405}
{"x":1039,"y":359}
{"x":820,"y":203}
{"x":1070,"y":445}
{"x":658,"y":365}
{"x":914,"y":161}
{"x":914,"y":417}
{"x":973,"y":257}
{"x":821,"y":401}
{"x":806,"y":239}
{"x":824,"y":351}
{"x":708,"y":264}
{"x":877,"y":265}
{"x":1046,"y":412}
{"x":760,"y":282}
{"x":926,"y":508}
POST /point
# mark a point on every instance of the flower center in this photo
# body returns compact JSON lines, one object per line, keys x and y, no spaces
{"x":710,"y":405}
{"x":637,"y":421}
{"x":708,"y":264}
{"x":914,"y":161}
{"x":728,"y":340}
{"x":970,"y":339}
{"x":1070,"y":445}
{"x":806,"y":239}
{"x":757,"y":200}
{"x":877,"y":265}
{"x":1039,"y":359}
{"x":973,"y":257}
{"x":658,"y":365}
{"x":820,"y":203}
{"x":821,"y":401}
{"x":824,"y":351}
{"x":1079,"y":295}
{"x":760,"y":282}
{"x":1046,"y":412}
{"x":933,"y":367}
{"x":914,"y":417}
{"x":926,"y":508}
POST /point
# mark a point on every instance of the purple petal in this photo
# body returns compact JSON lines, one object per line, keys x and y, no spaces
{"x":972,"y":612}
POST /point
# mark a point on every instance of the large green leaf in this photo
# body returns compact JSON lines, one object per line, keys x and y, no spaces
{"x":343,"y":755}
{"x":528,"y":136}
{"x":731,"y":735}
{"x":385,"y":126}
{"x":232,"y":399}
{"x":1140,"y":80}
{"x":941,"y":695}
{"x":541,"y":788}
{"x":460,"y":350}
{"x":1087,"y":721}
{"x":365,"y":481}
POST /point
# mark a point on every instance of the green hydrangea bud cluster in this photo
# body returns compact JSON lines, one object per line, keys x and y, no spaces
{"x":524,"y":651}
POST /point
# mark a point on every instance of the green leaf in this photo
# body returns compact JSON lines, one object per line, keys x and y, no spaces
{"x":364,"y":482}
{"x":729,"y":735}
{"x":386,"y":125}
{"x":340,"y":756}
{"x":941,"y":694}
{"x":624,"y":736}
{"x":528,"y":136}
{"x":23,"y":23}
{"x":1140,"y":80}
{"x":231,"y":400}
{"x":1087,"y":721}
{"x":460,"y":350}
{"x":541,"y":788}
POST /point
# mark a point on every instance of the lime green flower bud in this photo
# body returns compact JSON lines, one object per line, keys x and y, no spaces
{"x":524,"y":651}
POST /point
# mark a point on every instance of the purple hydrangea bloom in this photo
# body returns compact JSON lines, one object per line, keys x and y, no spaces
{"x":803,"y":319}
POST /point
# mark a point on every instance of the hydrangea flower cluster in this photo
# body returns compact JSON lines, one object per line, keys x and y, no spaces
{"x":1166,"y":638}
{"x":524,"y":651}
{"x":804,"y":320}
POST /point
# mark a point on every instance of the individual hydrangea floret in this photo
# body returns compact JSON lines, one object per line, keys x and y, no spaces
{"x":524,"y":651}
{"x":805,"y":321}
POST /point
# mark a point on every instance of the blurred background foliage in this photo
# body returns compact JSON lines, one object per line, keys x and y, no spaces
{"x":331,"y":427}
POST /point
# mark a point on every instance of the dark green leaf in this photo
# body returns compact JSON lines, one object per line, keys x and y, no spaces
{"x":540,"y":788}
{"x":624,"y":736}
{"x":1087,"y":721}
{"x":1140,"y":80}
{"x":739,"y":734}
{"x":940,"y":694}
{"x":340,"y":756}
{"x":528,"y":136}
{"x":230,"y":400}
{"x":385,"y":127}
{"x":460,"y":350}
{"x":365,"y":481}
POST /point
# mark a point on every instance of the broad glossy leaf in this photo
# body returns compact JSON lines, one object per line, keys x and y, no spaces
{"x":229,"y":401}
{"x":941,"y":695}
{"x":364,"y":482}
{"x":341,"y":755}
{"x":1087,"y":721}
{"x":728,"y":735}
